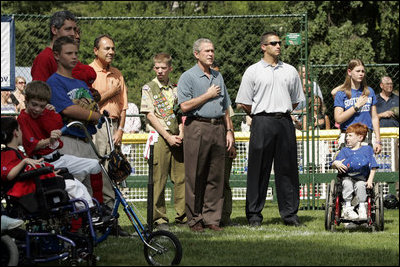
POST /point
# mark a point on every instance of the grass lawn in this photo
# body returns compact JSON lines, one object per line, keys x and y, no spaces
{"x":271,"y":244}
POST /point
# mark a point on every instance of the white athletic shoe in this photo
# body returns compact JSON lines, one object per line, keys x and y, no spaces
{"x":8,"y":223}
{"x":362,"y":213}
{"x":350,"y":214}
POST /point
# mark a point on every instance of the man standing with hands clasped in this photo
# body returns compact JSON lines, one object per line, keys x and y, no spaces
{"x":158,"y":99}
{"x":269,"y":91}
{"x":204,"y":99}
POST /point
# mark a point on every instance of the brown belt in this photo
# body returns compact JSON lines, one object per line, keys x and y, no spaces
{"x":209,"y":120}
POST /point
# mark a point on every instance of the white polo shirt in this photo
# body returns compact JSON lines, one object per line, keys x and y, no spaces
{"x":270,"y":89}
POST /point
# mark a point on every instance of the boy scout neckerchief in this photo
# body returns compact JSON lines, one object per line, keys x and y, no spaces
{"x":165,"y":108}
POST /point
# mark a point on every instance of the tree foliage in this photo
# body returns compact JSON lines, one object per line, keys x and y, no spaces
{"x":337,"y":32}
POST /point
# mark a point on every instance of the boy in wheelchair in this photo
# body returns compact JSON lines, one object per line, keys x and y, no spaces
{"x":357,"y":166}
{"x":14,"y":162}
{"x":41,"y":132}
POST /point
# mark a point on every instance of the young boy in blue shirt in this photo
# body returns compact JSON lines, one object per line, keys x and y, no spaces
{"x":358,"y":166}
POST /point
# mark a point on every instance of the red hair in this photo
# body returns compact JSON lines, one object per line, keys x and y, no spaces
{"x":358,"y":128}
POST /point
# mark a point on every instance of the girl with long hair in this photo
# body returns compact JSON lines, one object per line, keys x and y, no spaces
{"x":356,"y":102}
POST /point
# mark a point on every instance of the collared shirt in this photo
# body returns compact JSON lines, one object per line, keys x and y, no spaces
{"x":382,"y":105}
{"x":194,"y":83}
{"x":147,"y":102}
{"x":270,"y":88}
{"x":117,"y":103}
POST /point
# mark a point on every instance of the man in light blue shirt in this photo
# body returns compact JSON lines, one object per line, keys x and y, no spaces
{"x":208,"y":129}
{"x":269,"y":91}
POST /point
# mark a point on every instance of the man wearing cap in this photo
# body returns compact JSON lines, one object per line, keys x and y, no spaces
{"x":158,"y":99}
{"x":204,"y":99}
{"x":387,"y":105}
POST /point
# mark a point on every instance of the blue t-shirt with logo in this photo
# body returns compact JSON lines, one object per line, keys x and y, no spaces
{"x":364,"y":114}
{"x":359,"y":162}
{"x":63,"y":91}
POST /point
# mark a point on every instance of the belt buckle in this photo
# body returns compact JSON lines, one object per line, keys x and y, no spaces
{"x":213,"y":121}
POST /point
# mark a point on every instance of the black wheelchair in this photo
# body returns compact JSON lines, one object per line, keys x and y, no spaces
{"x":334,"y":207}
{"x":48,"y":213}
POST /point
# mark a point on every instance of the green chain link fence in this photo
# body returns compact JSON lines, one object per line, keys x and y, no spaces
{"x":236,"y":40}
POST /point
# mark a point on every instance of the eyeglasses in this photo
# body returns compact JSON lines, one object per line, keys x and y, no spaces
{"x":21,"y":82}
{"x":274,"y":43}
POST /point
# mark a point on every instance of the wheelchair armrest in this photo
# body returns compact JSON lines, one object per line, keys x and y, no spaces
{"x":34,"y":173}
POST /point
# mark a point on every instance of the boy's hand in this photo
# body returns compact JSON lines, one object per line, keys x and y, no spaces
{"x":33,"y":162}
{"x":55,"y":134}
{"x":369,"y":185}
{"x":338,"y":164}
{"x":50,"y":107}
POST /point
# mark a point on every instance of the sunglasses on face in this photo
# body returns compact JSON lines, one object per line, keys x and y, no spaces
{"x":274,"y":43}
{"x":21,"y":82}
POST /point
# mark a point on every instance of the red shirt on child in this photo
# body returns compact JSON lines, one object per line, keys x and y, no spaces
{"x":33,"y":130}
{"x":10,"y":159}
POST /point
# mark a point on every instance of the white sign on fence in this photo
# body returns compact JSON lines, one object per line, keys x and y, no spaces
{"x":7,"y":53}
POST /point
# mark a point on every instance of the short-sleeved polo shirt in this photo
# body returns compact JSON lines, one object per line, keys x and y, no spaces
{"x":382,"y":105}
{"x":270,"y":88}
{"x":194,"y":83}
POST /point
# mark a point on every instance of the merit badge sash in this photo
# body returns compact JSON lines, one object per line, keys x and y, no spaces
{"x":165,"y":108}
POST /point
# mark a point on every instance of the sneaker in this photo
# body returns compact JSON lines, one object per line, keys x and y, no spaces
{"x":8,"y":223}
{"x":98,"y":220}
{"x":350,"y":214}
{"x":362,"y":213}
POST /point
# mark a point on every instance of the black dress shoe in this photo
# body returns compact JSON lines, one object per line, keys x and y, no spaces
{"x":254,"y":223}
{"x":117,"y":231}
{"x":295,"y":223}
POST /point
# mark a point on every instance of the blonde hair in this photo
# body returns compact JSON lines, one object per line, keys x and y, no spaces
{"x":19,"y":78}
{"x":346,"y":86}
{"x":163,"y":58}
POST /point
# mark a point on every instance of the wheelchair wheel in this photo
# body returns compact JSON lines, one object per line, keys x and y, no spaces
{"x":165,"y":249}
{"x":378,"y":199}
{"x":9,"y":251}
{"x":329,"y":204}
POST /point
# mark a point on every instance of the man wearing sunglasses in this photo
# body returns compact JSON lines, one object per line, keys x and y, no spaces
{"x":269,"y":91}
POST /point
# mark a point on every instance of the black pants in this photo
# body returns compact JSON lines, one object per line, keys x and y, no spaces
{"x":272,"y":139}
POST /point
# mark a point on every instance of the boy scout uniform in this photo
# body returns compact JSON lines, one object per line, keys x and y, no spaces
{"x":168,"y":160}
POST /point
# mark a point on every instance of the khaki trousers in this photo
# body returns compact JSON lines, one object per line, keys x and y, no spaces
{"x":103,"y":147}
{"x":204,"y":154}
{"x":168,"y":161}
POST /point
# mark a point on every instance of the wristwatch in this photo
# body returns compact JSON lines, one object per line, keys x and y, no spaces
{"x":356,"y":108}
{"x":229,"y":130}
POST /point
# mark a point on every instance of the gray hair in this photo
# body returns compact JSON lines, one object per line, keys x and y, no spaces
{"x":198,"y":42}
{"x":58,"y":18}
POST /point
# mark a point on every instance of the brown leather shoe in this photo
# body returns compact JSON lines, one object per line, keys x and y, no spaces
{"x":197,"y":227}
{"x":214,"y":227}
